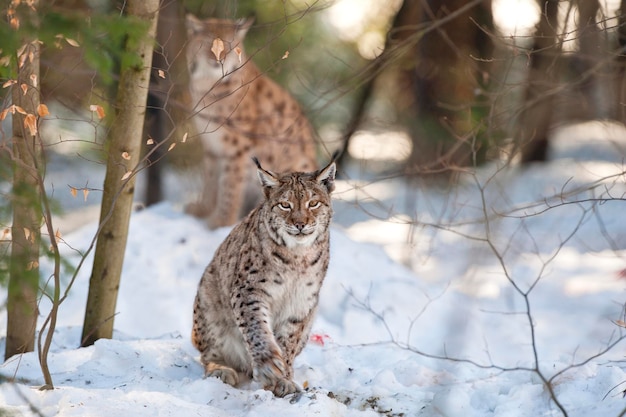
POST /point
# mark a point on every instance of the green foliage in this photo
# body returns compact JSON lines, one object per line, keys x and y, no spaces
{"x":101,"y":35}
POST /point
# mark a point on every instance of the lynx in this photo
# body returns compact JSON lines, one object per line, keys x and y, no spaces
{"x":257,"y":298}
{"x":239,"y":112}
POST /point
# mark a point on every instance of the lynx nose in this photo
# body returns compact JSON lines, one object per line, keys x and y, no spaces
{"x":299,"y":225}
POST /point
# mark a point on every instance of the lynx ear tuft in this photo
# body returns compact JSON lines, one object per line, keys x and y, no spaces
{"x":326,"y":176}
{"x":242,"y":26}
{"x":268,"y":179}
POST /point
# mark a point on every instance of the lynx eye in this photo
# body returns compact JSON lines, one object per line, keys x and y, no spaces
{"x":313,"y":204}
{"x":285,"y":205}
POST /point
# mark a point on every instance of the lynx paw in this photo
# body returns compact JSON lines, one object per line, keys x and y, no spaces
{"x":271,"y":375}
{"x":197,"y":210}
{"x":226,"y":374}
{"x":283,"y":387}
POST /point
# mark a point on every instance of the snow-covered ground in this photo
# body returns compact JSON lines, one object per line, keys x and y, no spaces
{"x":510,"y":279}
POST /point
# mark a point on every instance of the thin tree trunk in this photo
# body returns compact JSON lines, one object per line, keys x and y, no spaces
{"x":27,"y":215}
{"x":166,"y":108}
{"x":119,"y":184}
{"x":535,"y":119}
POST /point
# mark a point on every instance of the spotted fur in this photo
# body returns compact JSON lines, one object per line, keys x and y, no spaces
{"x":257,"y":298}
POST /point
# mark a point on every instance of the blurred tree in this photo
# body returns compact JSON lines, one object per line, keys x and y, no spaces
{"x":27,"y":160}
{"x":536,"y":116}
{"x":448,"y":80}
{"x":123,"y":159}
{"x":168,"y":99}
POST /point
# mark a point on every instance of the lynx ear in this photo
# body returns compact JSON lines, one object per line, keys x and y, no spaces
{"x":268,"y":179}
{"x":326,"y":176}
{"x":193,"y":24}
{"x":243,"y":25}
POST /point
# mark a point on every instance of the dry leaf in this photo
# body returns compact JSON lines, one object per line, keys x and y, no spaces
{"x":217,"y":48}
{"x":161,"y":73}
{"x":32,"y":265}
{"x":128,"y":174}
{"x":6,"y":234}
{"x":42,"y":110}
{"x":73,"y":191}
{"x":85,"y":194}
{"x":285,"y":55}
{"x":72,"y":42}
{"x":150,"y":141}
{"x":24,"y":88}
{"x":15,"y":23}
{"x":27,"y":233}
{"x":238,"y":51}
{"x":620,"y":323}
{"x":184,"y":139}
{"x":98,"y":109}
{"x":3,"y":113}
{"x":9,"y":83}
{"x":30,"y":122}
{"x":17,"y":109}
{"x":33,"y":79}
{"x":57,"y":235}
{"x":126,"y":155}
{"x":171,"y":146}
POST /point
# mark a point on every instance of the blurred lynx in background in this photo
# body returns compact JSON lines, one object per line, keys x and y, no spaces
{"x":239,"y":113}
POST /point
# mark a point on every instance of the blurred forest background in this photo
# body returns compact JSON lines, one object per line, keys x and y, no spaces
{"x":432,"y":85}
{"x":418,"y":89}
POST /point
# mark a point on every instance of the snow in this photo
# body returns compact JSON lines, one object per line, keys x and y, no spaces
{"x":438,"y":326}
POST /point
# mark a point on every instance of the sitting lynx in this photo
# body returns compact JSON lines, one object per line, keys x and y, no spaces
{"x":239,"y":112}
{"x":258,"y":296}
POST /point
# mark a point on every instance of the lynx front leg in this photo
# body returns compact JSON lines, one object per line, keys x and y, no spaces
{"x":230,"y":189}
{"x":268,"y":365}
{"x":208,"y":197}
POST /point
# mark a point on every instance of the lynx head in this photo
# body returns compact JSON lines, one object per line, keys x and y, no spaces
{"x":215,"y":46}
{"x":298,"y":204}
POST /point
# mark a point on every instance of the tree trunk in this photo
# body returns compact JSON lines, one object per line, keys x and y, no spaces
{"x":444,"y":78}
{"x":621,"y":62}
{"x":536,"y":117}
{"x":124,"y":154}
{"x":166,"y":102}
{"x":27,"y":215}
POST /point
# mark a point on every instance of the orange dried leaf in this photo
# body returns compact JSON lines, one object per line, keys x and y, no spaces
{"x":238,"y":51}
{"x":24,"y":88}
{"x":57,"y":235}
{"x":72,"y":42}
{"x":15,"y":23}
{"x":3,"y":113}
{"x":172,"y":145}
{"x":184,"y":139}
{"x":85,"y":194}
{"x":128,"y":174}
{"x":98,"y":109}
{"x":9,"y":83}
{"x":42,"y":110}
{"x":150,"y":141}
{"x":126,"y":155}
{"x":73,"y":191}
{"x":30,"y":122}
{"x":285,"y":55}
{"x":621,"y":323}
{"x":17,"y":109}
{"x":32,"y":265}
{"x":27,"y":233}
{"x":33,"y":79}
{"x":161,"y":73}
{"x":217,"y":48}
